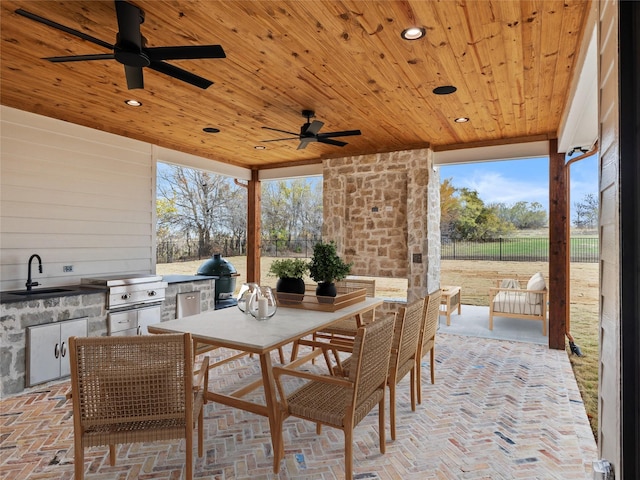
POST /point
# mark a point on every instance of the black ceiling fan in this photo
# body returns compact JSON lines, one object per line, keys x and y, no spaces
{"x":309,"y":133}
{"x":130,"y":49}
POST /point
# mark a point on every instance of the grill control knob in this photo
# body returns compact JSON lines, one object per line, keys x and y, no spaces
{"x":152,"y":293}
{"x":126,"y":296}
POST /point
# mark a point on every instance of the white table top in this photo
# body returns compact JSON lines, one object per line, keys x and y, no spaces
{"x":231,"y":328}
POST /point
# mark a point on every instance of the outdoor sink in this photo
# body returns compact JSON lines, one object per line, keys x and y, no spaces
{"x":40,"y":291}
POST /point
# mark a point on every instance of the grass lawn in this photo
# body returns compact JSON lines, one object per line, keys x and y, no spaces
{"x":476,"y":277}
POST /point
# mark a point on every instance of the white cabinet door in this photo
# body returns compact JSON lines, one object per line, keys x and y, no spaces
{"x":71,"y":328}
{"x":148,"y":316}
{"x":43,"y":344}
{"x":48,"y":349}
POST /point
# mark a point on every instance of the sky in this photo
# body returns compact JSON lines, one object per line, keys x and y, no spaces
{"x":512,"y":181}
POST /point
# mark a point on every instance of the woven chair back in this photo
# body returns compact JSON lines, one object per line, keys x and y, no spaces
{"x":371,"y":350}
{"x":431,"y":317}
{"x":406,"y":334}
{"x":129,"y":379}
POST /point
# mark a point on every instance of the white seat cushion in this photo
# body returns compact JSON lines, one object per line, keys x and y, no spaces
{"x":515,"y":302}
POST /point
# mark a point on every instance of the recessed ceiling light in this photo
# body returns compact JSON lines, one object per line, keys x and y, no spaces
{"x":260,"y":147}
{"x":211,"y":130}
{"x":444,"y":90}
{"x":413,"y":33}
{"x":461,"y":120}
{"x":133,"y":103}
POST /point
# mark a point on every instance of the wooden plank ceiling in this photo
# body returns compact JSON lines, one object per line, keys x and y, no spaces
{"x":511,"y":62}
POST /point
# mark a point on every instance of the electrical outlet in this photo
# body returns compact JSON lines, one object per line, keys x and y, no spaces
{"x":67,"y":268}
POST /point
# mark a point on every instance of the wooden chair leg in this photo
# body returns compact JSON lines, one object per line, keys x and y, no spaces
{"x":392,"y":409}
{"x":412,"y":379}
{"x":189,"y":455}
{"x":433,"y":365}
{"x":381,"y":428}
{"x":112,"y":455}
{"x":201,"y":433}
{"x":78,"y":459}
{"x":348,"y":453}
{"x":419,"y":380}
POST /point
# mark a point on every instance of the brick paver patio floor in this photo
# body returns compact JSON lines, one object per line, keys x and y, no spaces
{"x":498,"y":410}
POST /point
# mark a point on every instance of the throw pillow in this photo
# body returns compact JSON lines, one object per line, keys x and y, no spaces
{"x":536,"y":282}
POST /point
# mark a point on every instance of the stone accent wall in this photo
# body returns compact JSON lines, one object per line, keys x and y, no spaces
{"x":383,"y":212}
{"x":16,"y":317}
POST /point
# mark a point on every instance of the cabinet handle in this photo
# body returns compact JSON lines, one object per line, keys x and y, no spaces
{"x":139,"y":331}
{"x":64,"y":349}
{"x":56,"y":351}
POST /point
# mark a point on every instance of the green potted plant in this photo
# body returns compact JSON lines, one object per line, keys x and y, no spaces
{"x":327,"y":267}
{"x":290,"y":273}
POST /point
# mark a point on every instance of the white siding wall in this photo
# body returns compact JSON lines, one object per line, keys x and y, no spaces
{"x":75,"y":196}
{"x":610,"y":367}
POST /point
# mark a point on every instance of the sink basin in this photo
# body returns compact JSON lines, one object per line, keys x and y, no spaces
{"x":41,"y":291}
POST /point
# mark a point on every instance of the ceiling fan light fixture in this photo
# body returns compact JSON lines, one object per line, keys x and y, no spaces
{"x":461,"y":120}
{"x":133,"y":103}
{"x":444,"y":90}
{"x":413,"y":33}
{"x":211,"y":130}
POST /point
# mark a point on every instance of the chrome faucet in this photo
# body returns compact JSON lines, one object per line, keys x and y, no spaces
{"x":29,"y":283}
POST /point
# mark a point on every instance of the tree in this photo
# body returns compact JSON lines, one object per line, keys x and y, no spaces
{"x":476,"y":221}
{"x":523,"y":215}
{"x":201,"y":202}
{"x":291,"y":209}
{"x":587,"y":211}
{"x":449,"y":208}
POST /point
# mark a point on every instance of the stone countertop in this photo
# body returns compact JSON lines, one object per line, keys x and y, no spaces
{"x":186,"y":278}
{"x":44,"y":293}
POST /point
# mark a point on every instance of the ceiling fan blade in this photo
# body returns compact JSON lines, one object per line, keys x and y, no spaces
{"x":282,"y":131}
{"x":134,"y":77}
{"x":129,"y":19}
{"x":181,"y":74}
{"x":314,"y":128}
{"x":189,"y":52}
{"x":303,"y":144}
{"x":65,"y":29}
{"x":279,"y":139}
{"x":346,"y":133}
{"x":81,"y":58}
{"x":329,"y":141}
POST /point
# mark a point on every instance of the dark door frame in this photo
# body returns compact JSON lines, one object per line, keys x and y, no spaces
{"x":629,"y":74}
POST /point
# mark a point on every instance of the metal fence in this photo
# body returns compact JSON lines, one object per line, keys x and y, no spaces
{"x":300,"y":247}
{"x":517,"y":249}
{"x":179,"y":251}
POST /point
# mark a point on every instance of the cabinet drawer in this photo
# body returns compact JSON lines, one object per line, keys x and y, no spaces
{"x":120,"y":321}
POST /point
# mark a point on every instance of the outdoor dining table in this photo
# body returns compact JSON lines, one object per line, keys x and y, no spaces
{"x":231,"y":328}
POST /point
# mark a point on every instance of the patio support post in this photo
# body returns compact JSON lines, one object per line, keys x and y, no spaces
{"x":253,"y":227}
{"x":559,"y":230}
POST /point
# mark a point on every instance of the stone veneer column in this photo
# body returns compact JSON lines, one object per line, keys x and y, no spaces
{"x":383,"y":211}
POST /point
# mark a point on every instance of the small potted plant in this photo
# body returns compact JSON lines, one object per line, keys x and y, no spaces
{"x":327,"y":267}
{"x":290,"y":273}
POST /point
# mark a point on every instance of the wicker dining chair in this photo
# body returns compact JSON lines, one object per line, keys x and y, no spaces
{"x":343,"y":332}
{"x":427,"y":342}
{"x":343,"y":402}
{"x":135,"y":389}
{"x":404,"y":353}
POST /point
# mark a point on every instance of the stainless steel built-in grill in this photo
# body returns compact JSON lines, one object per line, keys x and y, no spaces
{"x":133,"y":301}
